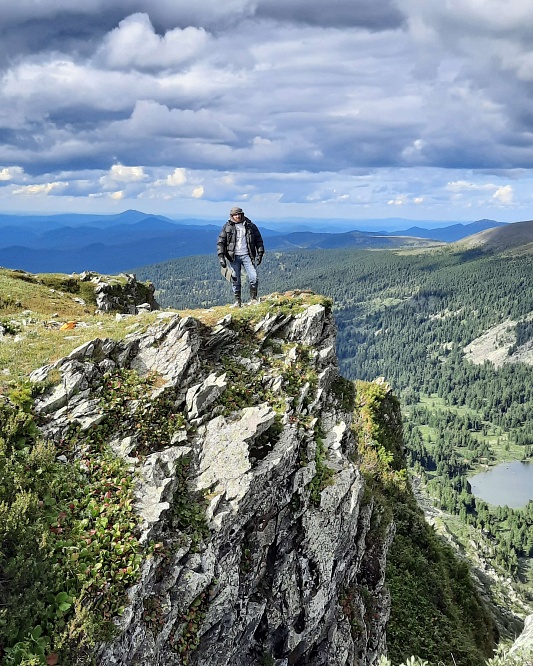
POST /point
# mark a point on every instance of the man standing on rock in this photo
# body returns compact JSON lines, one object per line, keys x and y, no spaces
{"x":240,"y":243}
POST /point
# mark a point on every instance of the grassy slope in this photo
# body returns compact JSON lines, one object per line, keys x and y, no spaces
{"x":517,"y":236}
{"x":31,"y":307}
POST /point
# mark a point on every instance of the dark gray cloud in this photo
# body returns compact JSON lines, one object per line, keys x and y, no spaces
{"x":27,"y":27}
{"x":369,"y":14}
{"x":63,"y":26}
{"x":63,"y":33}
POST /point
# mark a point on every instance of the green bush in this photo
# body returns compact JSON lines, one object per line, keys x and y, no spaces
{"x":10,"y":327}
{"x":67,"y":535}
{"x":323,"y":474}
{"x":8,"y":302}
{"x":188,"y":508}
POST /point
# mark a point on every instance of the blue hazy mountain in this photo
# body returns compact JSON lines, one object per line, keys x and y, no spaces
{"x":308,"y":240}
{"x":45,"y":222}
{"x":452,"y":233}
{"x":389,"y":225}
{"x":113,"y":257}
{"x":114,"y":243}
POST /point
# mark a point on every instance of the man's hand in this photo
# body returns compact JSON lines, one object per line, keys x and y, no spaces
{"x":259,"y":259}
{"x":222,"y":262}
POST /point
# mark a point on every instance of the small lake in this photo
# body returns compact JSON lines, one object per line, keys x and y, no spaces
{"x":508,"y":484}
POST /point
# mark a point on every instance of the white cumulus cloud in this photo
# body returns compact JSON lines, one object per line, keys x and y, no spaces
{"x":9,"y":173}
{"x":44,"y":188}
{"x":119,"y":173}
{"x":176,"y":178}
{"x":136,"y":44}
{"x":504,"y":195}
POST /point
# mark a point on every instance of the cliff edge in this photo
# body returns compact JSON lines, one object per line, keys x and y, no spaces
{"x":251,"y":515}
{"x":200,"y":492}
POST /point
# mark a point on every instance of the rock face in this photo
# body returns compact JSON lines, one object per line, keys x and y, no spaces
{"x":524,"y":643}
{"x":284,"y":559}
{"x":125,"y":295}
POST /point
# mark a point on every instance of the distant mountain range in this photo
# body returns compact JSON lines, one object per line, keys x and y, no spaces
{"x":516,"y":238}
{"x":371,"y":239}
{"x":114,"y":243}
{"x":452,"y":233}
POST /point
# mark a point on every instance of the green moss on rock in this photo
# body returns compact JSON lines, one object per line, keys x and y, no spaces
{"x":437,"y":612}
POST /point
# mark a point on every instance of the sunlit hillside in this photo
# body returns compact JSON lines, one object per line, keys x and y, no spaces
{"x":517,"y":238}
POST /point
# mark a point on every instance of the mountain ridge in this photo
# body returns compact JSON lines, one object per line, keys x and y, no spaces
{"x":110,"y":244}
{"x":501,"y":239}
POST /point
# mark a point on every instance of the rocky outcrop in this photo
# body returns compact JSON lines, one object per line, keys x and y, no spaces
{"x":523,"y":645}
{"x":268,"y":551}
{"x":124,"y":294}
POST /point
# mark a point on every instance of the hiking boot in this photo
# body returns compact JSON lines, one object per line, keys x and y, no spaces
{"x":253,"y":296}
{"x":238,"y":302}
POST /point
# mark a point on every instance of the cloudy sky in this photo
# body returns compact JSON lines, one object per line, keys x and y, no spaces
{"x":358,"y":109}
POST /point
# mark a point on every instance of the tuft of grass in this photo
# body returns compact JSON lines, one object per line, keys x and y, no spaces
{"x":38,"y":344}
{"x":288,"y":303}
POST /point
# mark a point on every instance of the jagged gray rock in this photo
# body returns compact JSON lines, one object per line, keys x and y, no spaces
{"x":282,"y":547}
{"x":170,"y":350}
{"x":156,"y":484}
{"x":524,"y":643}
{"x":131,"y":297}
{"x":200,"y":396}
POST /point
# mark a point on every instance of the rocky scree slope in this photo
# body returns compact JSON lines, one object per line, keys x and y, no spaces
{"x":253,"y":517}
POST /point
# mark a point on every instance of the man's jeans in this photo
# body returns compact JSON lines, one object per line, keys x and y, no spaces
{"x":242,"y":260}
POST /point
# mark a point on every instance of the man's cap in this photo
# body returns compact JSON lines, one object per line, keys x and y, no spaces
{"x":236,"y":210}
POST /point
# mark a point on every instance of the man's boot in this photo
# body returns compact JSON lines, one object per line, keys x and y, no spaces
{"x":238,"y":302}
{"x":253,"y":295}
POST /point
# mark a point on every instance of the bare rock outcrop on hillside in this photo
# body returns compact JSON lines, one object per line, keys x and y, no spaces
{"x":524,"y":643}
{"x":498,"y":345}
{"x":283,"y":566}
{"x":124,"y":294}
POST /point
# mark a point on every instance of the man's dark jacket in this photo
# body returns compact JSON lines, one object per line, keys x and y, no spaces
{"x":227,"y":240}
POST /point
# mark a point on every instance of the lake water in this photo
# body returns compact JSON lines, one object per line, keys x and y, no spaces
{"x":508,"y":484}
